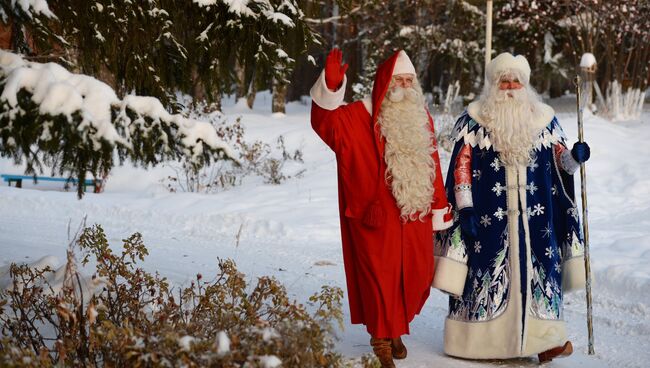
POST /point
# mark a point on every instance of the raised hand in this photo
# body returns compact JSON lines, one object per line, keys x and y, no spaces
{"x":581,"y":152}
{"x":334,"y":71}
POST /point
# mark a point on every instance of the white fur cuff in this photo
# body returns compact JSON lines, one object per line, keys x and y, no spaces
{"x":569,"y":164}
{"x":573,"y":274}
{"x":450,"y":276}
{"x":463,"y":193}
{"x":323,"y":97}
{"x":438,"y":219}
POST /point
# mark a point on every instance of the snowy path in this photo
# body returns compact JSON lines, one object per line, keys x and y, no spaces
{"x":285,"y":230}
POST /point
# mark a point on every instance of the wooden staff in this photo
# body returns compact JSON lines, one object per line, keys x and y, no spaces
{"x":585,"y":226}
{"x":488,"y":33}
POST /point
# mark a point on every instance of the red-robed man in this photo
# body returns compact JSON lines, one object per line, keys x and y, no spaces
{"x":391,"y":195}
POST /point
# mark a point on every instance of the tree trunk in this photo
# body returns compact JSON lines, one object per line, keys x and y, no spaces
{"x":250,"y":97}
{"x":252,"y":91}
{"x":198,"y":89}
{"x":215,"y":105}
{"x":240,"y":72}
{"x":279,"y":97}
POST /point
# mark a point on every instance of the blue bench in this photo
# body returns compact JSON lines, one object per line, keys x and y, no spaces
{"x":18,"y":181}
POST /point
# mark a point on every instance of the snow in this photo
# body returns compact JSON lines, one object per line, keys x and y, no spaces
{"x":205,"y":2}
{"x":281,"y":18}
{"x":406,"y":30}
{"x":471,"y":8}
{"x":587,"y":60}
{"x":191,"y":131}
{"x":185,"y":342}
{"x":223,"y":343}
{"x":291,"y":231}
{"x":269,"y":333}
{"x":282,"y":54}
{"x":54,"y":278}
{"x":286,"y":4}
{"x":204,"y":35}
{"x":239,"y":7}
{"x":270,"y":361}
{"x":34,"y":7}
{"x":57,"y":91}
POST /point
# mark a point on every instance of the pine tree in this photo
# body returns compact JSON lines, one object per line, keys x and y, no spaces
{"x":25,"y":23}
{"x":616,"y":31}
{"x":75,"y":124}
{"x":264,"y":38}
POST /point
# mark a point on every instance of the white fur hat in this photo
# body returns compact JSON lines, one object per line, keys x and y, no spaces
{"x":403,"y":64}
{"x":505,"y":62}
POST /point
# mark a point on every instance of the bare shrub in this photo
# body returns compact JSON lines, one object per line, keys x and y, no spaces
{"x":136,"y":319}
{"x":258,"y":159}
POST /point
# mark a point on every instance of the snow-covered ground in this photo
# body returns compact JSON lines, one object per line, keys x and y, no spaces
{"x":291,"y":231}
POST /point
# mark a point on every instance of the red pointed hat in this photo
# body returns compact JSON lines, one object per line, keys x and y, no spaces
{"x":399,"y":63}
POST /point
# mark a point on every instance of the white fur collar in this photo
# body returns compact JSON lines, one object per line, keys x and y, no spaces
{"x":539,"y":122}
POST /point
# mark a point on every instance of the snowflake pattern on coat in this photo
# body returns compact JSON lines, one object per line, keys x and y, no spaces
{"x":553,"y":228}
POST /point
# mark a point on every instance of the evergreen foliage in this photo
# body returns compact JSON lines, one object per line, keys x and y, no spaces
{"x":75,"y":125}
{"x":159,"y":47}
{"x":555,"y":34}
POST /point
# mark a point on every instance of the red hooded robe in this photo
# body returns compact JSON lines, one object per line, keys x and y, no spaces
{"x":389,"y":268}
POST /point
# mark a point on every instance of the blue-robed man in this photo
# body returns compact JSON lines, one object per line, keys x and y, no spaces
{"x":515,"y":245}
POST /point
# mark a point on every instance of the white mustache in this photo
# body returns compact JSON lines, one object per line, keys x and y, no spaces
{"x":518,"y":95}
{"x":398,"y":94}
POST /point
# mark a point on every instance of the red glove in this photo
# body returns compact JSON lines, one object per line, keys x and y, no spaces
{"x":334,"y":71}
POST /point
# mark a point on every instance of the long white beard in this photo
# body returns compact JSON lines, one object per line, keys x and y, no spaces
{"x":509,"y":122}
{"x":410,"y":170}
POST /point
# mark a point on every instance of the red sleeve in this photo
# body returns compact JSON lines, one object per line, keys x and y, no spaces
{"x":333,"y":126}
{"x":463,"y":178}
{"x":463,"y":166}
{"x":328,"y":124}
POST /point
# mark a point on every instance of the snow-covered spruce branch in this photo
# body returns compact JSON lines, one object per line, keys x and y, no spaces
{"x":74,"y":124}
{"x":28,"y":7}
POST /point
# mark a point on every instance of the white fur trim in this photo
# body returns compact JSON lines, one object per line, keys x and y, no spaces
{"x":573,"y":274}
{"x":540,"y":121}
{"x":521,"y":178}
{"x":475,"y":138}
{"x":543,"y":335}
{"x":496,"y":339}
{"x":367,"y":103}
{"x":491,"y":340}
{"x":569,"y":164}
{"x":438,"y":219}
{"x":463,"y":195}
{"x":450,"y":276}
{"x":324,"y":97}
{"x":403,"y":64}
{"x":506,"y":61}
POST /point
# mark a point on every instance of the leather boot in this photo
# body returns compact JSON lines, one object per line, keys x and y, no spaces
{"x":557,"y":352}
{"x":399,"y":350}
{"x":384,"y":352}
